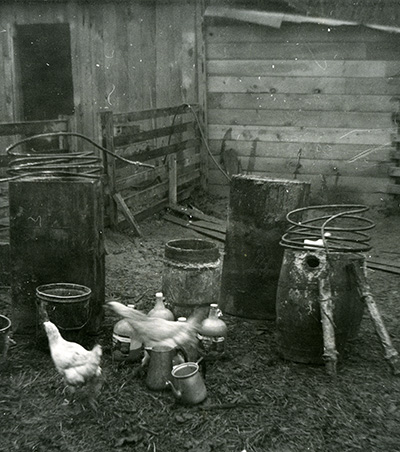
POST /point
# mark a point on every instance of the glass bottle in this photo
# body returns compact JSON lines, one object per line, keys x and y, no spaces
{"x":160,"y":310}
{"x":126,"y":344}
{"x":213,"y":333}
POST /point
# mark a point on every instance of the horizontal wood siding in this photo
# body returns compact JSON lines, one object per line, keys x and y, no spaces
{"x":305,"y":101}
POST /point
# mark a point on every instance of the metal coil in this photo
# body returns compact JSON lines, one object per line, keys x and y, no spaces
{"x":340,"y":228}
{"x":59,"y":164}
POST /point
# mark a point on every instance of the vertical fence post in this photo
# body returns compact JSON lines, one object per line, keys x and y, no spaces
{"x":202,"y":90}
{"x":107,"y":125}
{"x":172,"y":179}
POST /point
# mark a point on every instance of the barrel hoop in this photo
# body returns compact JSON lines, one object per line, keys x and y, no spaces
{"x":190,"y":266}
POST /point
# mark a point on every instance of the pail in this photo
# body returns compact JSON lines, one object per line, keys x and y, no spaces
{"x":298,"y":321}
{"x":191,"y":275}
{"x":67,"y":305}
{"x":5,"y":325}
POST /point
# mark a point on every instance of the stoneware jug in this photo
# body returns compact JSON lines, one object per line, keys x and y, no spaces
{"x":187,"y":384}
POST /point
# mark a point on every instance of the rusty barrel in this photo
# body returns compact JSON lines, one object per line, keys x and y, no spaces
{"x":298,"y":318}
{"x":191,"y":275}
{"x":253,"y":255}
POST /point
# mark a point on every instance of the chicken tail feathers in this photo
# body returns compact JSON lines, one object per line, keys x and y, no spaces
{"x":125,"y":311}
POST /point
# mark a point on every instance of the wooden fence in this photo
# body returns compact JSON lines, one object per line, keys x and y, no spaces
{"x":168,"y":139}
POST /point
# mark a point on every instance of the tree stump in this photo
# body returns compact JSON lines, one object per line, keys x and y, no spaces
{"x":253,"y":256}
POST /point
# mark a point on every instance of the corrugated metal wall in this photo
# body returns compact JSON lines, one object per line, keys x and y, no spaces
{"x":304,"y":101}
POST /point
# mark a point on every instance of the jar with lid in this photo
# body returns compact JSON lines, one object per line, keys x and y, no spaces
{"x":160,"y":310}
{"x":213,"y":333}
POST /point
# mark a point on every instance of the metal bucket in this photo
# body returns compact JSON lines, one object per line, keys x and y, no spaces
{"x":67,"y":305}
{"x":5,"y":326}
{"x":191,"y":275}
{"x":299,"y":329}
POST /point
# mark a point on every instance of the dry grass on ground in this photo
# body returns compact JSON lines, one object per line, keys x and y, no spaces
{"x":256,"y":401}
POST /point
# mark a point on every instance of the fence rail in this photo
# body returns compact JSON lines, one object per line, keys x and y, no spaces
{"x":168,"y":139}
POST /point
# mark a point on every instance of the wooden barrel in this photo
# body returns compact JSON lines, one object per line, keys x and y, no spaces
{"x":191,"y":275}
{"x":298,"y":318}
{"x":253,"y":255}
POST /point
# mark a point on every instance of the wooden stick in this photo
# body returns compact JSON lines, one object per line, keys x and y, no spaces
{"x":328,"y":330}
{"x":390,"y":353}
{"x":127,"y":213}
{"x":172,"y":179}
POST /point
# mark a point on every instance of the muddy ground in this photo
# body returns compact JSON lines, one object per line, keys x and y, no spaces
{"x":256,"y":400}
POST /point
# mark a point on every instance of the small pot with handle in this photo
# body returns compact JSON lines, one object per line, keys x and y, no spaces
{"x":187,"y":385}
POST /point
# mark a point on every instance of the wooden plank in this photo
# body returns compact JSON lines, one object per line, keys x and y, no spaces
{"x":172,"y":179}
{"x":390,"y":268}
{"x":192,"y":213}
{"x":325,"y":84}
{"x":151,"y":134}
{"x":209,"y":225}
{"x":304,"y":102}
{"x":294,"y":33}
{"x":393,"y":189}
{"x":320,"y":51}
{"x":319,"y":151}
{"x":108,"y":137}
{"x":141,"y":178}
{"x":327,"y":167}
{"x":127,"y":213}
{"x":185,"y":158}
{"x":351,"y":184}
{"x":203,"y":231}
{"x":33,"y":127}
{"x":300,"y":118}
{"x":303,"y":68}
{"x":151,"y":113}
{"x":304,"y":135}
{"x":159,"y":205}
{"x":147,"y":154}
{"x":202,"y":115}
{"x":147,"y":198}
{"x":162,"y":187}
{"x":394,"y":171}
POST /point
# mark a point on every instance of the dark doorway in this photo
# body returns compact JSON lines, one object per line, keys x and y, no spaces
{"x":44,"y":55}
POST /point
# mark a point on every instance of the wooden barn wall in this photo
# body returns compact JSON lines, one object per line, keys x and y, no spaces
{"x":126,"y":56}
{"x":304,"y":101}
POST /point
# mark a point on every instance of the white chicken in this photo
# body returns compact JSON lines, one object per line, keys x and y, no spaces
{"x":80,"y":368}
{"x":156,"y":331}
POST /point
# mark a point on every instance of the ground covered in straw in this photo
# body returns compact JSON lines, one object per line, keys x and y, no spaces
{"x":256,"y":400}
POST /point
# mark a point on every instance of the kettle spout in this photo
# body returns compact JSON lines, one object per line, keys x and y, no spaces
{"x":177,"y":393}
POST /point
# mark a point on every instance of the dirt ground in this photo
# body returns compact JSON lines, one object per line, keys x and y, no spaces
{"x":256,"y":400}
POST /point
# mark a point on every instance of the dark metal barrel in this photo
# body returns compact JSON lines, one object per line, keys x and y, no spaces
{"x":253,"y":255}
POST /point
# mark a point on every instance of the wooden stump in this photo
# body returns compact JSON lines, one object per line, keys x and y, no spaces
{"x":253,"y":256}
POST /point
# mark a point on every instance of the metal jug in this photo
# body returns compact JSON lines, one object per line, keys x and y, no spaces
{"x":188,"y":385}
{"x":160,"y":366}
